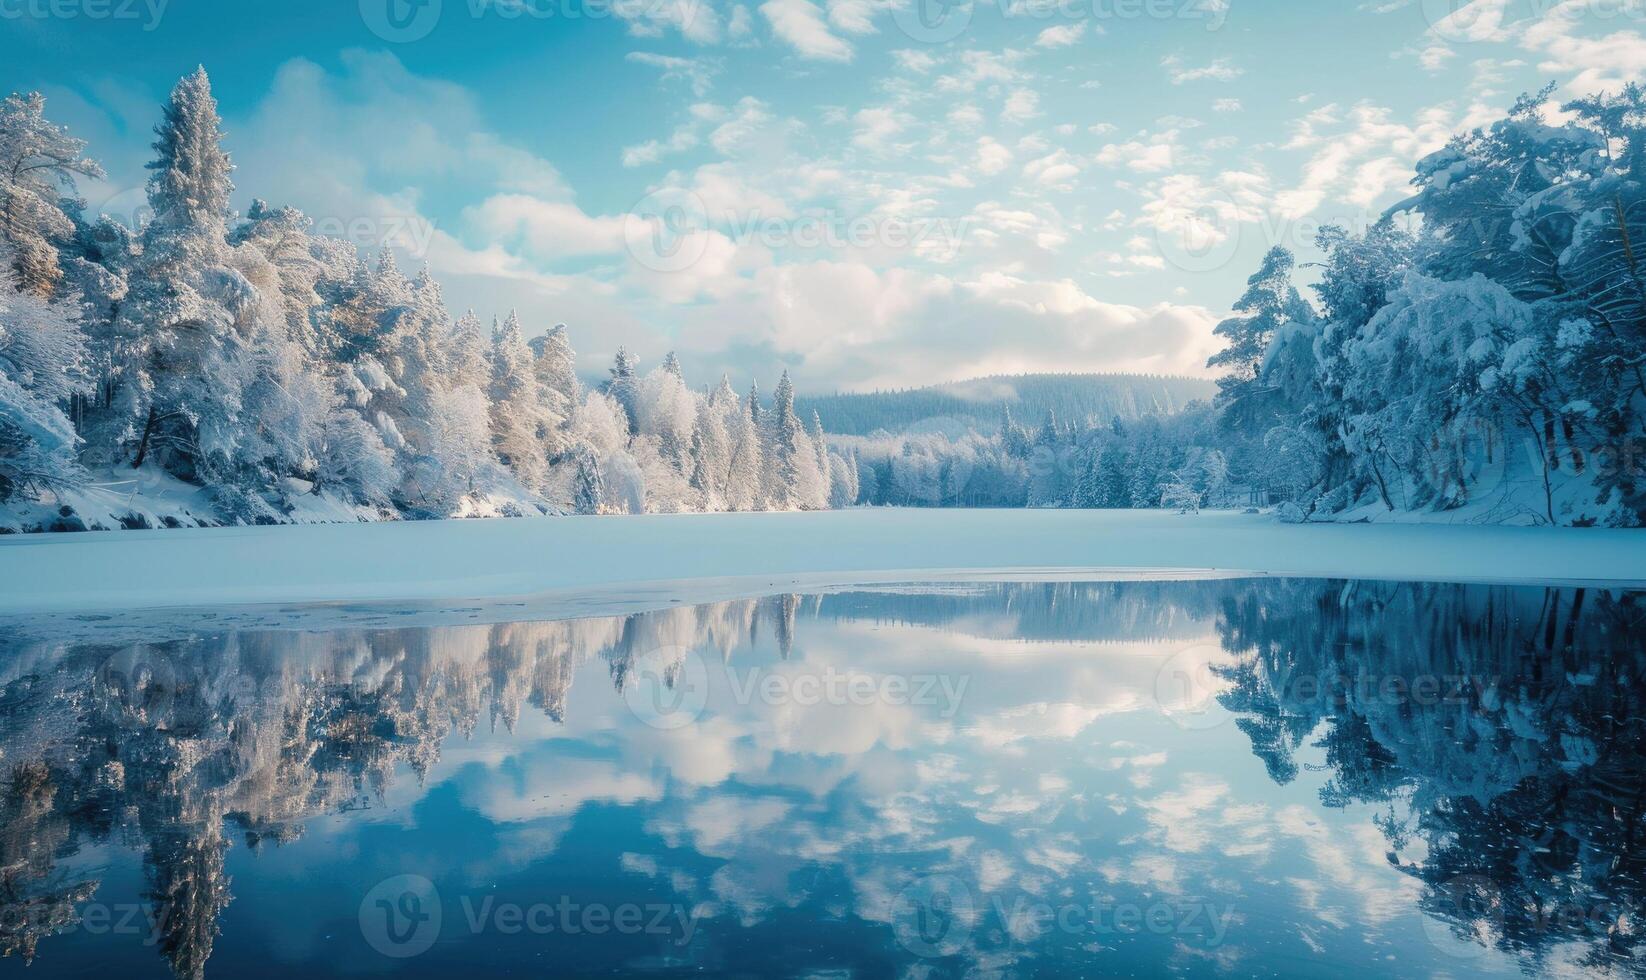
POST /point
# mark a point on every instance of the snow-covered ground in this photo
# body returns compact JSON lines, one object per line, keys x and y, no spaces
{"x":698,"y":557}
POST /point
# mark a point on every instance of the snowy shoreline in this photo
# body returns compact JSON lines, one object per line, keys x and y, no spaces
{"x":698,"y":556}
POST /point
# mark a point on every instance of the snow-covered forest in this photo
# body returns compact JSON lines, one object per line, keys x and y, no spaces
{"x":981,"y":402}
{"x":1491,"y":360}
{"x":1477,"y":353}
{"x":213,"y":368}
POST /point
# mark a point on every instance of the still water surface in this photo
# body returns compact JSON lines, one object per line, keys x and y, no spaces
{"x":1216,"y":778}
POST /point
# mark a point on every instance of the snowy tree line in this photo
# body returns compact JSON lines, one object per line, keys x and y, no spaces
{"x":1147,"y":462}
{"x":1492,"y":361}
{"x":980,"y":402}
{"x":266,"y":369}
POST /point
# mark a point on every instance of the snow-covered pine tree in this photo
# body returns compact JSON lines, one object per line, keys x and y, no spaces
{"x":588,"y":486}
{"x":39,"y":162}
{"x":558,"y":386}
{"x":711,"y":455}
{"x":666,"y":413}
{"x":745,"y":473}
{"x":1270,"y":301}
{"x":785,"y":437}
{"x":1114,"y":477}
{"x":42,"y":354}
{"x":288,"y":391}
{"x":820,"y":445}
{"x":447,"y":428}
{"x":624,"y":386}
{"x":469,"y":354}
{"x":352,"y":461}
{"x":1014,"y":437}
{"x":516,"y":405}
{"x":843,"y":485}
{"x":280,"y":240}
{"x":181,"y":365}
{"x":1088,"y":491}
{"x":98,"y":272}
{"x":755,"y":407}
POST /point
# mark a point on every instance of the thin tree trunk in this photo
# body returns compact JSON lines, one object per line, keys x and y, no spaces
{"x":143,"y":446}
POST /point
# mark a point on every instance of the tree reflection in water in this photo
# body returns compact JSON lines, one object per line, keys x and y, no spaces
{"x":1518,"y":770}
{"x":1497,"y":731}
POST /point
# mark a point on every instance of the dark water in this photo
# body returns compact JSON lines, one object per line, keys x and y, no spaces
{"x":1223,"y":778}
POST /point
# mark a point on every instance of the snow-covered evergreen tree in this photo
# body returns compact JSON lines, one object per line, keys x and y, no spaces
{"x":39,"y":162}
{"x":42,"y":356}
{"x":843,"y":481}
{"x":624,"y":386}
{"x":517,"y":405}
{"x":711,"y":454}
{"x":746,"y":472}
{"x":469,"y":354}
{"x":785,"y":441}
{"x":182,"y":364}
{"x":588,"y":487}
{"x":559,"y":388}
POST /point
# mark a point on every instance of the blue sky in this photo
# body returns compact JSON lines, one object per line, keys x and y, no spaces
{"x":870,"y":192}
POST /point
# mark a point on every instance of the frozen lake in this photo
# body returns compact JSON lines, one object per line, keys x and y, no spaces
{"x":1198,"y":778}
{"x":610,"y":562}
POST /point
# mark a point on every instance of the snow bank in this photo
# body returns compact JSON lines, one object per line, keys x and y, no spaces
{"x":759,"y":553}
{"x":150,"y":498}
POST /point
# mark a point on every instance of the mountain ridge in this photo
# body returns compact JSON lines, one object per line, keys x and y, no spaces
{"x":984,"y":401}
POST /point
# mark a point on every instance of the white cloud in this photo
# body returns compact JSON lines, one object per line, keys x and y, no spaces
{"x":1195,"y":213}
{"x":1146,"y":155}
{"x":855,"y":16}
{"x":1021,"y":106}
{"x":694,"y":19}
{"x":695,"y":72}
{"x":909,"y":327}
{"x":545,"y":229}
{"x":1601,"y":62}
{"x":1056,"y":170}
{"x":992,"y":157}
{"x":1220,"y":70}
{"x":978,"y":68}
{"x":1374,"y":154}
{"x":876,"y":127}
{"x":651,"y":151}
{"x":909,"y":59}
{"x":738,"y":128}
{"x":800,"y":23}
{"x":1473,"y":22}
{"x":1061,"y":35}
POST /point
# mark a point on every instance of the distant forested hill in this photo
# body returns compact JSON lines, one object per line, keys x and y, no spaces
{"x":1080,"y":398}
